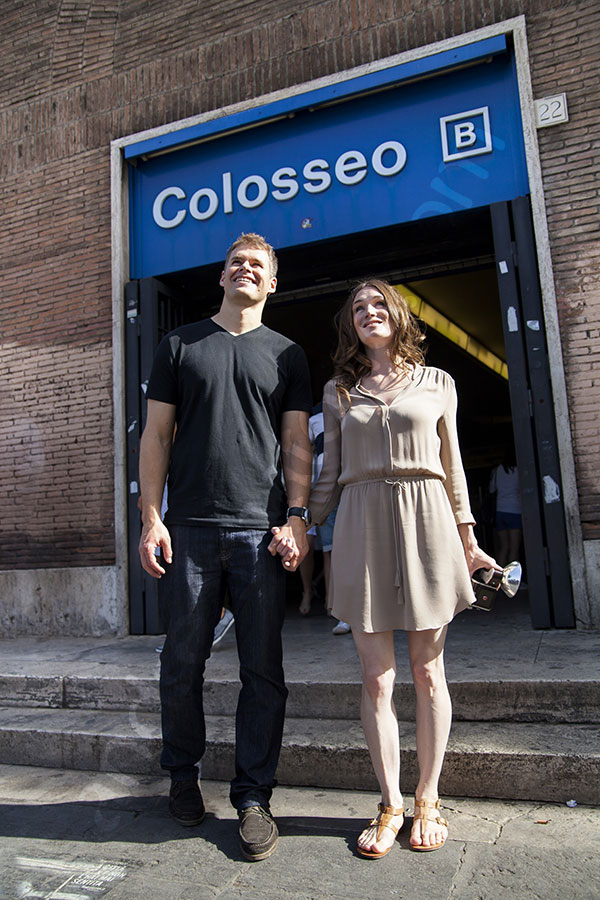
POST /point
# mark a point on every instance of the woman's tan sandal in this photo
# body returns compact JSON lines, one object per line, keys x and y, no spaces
{"x":421,"y":813}
{"x":382,"y":820}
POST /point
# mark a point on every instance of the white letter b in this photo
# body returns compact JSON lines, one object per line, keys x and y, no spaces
{"x":464,"y":135}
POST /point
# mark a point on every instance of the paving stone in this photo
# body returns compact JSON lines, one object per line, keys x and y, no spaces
{"x":117,"y":828}
{"x":527,"y":871}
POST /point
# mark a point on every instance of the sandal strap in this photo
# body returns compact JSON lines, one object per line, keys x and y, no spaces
{"x":421,"y":812}
{"x":384,"y":818}
{"x":389,"y":810}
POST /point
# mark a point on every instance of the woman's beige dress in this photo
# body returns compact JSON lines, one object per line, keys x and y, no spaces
{"x":396,"y":471}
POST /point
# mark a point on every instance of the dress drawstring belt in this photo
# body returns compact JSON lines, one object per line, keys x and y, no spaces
{"x":397,"y":486}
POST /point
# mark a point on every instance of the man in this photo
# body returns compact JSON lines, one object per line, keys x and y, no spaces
{"x":240,"y":396}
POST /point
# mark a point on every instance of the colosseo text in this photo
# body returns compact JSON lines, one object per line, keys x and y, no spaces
{"x":171,"y":205}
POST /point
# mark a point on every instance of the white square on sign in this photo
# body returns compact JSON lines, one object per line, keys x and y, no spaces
{"x":551,"y":111}
{"x":466,"y":134}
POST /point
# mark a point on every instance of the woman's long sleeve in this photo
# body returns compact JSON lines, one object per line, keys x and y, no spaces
{"x":325,"y":495}
{"x":456,"y":482}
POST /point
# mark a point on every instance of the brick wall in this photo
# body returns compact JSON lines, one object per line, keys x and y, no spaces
{"x":77,"y":75}
{"x":56,"y":394}
{"x":565,"y":56}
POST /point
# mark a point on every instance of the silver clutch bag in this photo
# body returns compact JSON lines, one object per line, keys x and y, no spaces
{"x":487,"y":582}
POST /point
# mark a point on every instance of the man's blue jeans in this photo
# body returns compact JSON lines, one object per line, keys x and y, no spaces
{"x":206,"y":561}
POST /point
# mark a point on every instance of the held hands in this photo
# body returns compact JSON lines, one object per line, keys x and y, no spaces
{"x":153,"y":536}
{"x":289,"y":541}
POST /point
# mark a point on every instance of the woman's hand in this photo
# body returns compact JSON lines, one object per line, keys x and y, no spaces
{"x":475,"y":556}
{"x":289,"y":541}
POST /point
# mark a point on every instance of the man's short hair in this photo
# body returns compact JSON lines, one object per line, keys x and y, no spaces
{"x":255,"y":242}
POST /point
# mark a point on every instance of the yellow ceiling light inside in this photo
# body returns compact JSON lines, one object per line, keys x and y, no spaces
{"x":451,"y":331}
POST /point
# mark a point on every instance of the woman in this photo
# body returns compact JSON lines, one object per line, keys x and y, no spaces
{"x":404,"y":543}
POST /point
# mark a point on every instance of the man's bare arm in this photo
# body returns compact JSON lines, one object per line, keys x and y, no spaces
{"x":296,"y":456}
{"x":155,"y":452}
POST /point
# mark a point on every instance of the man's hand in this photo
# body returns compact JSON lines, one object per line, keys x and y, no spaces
{"x":289,"y":541}
{"x":153,"y":536}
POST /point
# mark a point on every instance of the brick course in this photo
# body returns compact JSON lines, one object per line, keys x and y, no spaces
{"x":75,"y":76}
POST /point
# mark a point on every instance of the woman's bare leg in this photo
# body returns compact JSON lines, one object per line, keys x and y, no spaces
{"x":503,"y":547}
{"x":380,"y":725}
{"x":514,"y":545}
{"x":307,"y":569}
{"x":434,"y":716}
{"x":326,"y":573}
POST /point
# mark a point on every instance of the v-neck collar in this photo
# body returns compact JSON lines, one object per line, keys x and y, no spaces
{"x":241,"y":334}
{"x":414,"y":379}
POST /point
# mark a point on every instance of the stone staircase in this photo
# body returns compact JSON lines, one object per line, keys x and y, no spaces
{"x":513,"y":737}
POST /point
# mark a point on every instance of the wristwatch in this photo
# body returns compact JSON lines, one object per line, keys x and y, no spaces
{"x":303,"y":512}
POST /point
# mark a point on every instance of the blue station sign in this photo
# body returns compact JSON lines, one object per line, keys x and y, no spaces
{"x":425,"y":138}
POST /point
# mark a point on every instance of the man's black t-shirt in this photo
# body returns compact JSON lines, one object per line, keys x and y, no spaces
{"x":230,"y":392}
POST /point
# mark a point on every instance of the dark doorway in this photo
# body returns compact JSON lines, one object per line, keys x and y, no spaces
{"x":451,"y":264}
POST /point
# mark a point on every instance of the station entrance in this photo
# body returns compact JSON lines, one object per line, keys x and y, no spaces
{"x":472,"y":278}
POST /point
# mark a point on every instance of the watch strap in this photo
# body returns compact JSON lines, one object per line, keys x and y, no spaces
{"x":302,"y":512}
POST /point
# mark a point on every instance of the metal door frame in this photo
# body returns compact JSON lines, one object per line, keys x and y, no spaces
{"x":534,"y":426}
{"x":153,"y":309}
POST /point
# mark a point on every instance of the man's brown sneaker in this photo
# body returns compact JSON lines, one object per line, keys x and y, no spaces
{"x":258,"y":833}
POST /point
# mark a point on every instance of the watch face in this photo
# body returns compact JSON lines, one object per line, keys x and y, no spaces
{"x":302,"y":512}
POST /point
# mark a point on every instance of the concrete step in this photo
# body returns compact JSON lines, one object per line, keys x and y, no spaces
{"x":519,"y":700}
{"x":517,"y":761}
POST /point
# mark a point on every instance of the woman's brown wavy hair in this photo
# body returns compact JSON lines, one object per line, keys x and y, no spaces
{"x":350,"y":360}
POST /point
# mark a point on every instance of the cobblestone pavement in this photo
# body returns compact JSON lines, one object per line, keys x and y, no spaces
{"x":68,"y":835}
